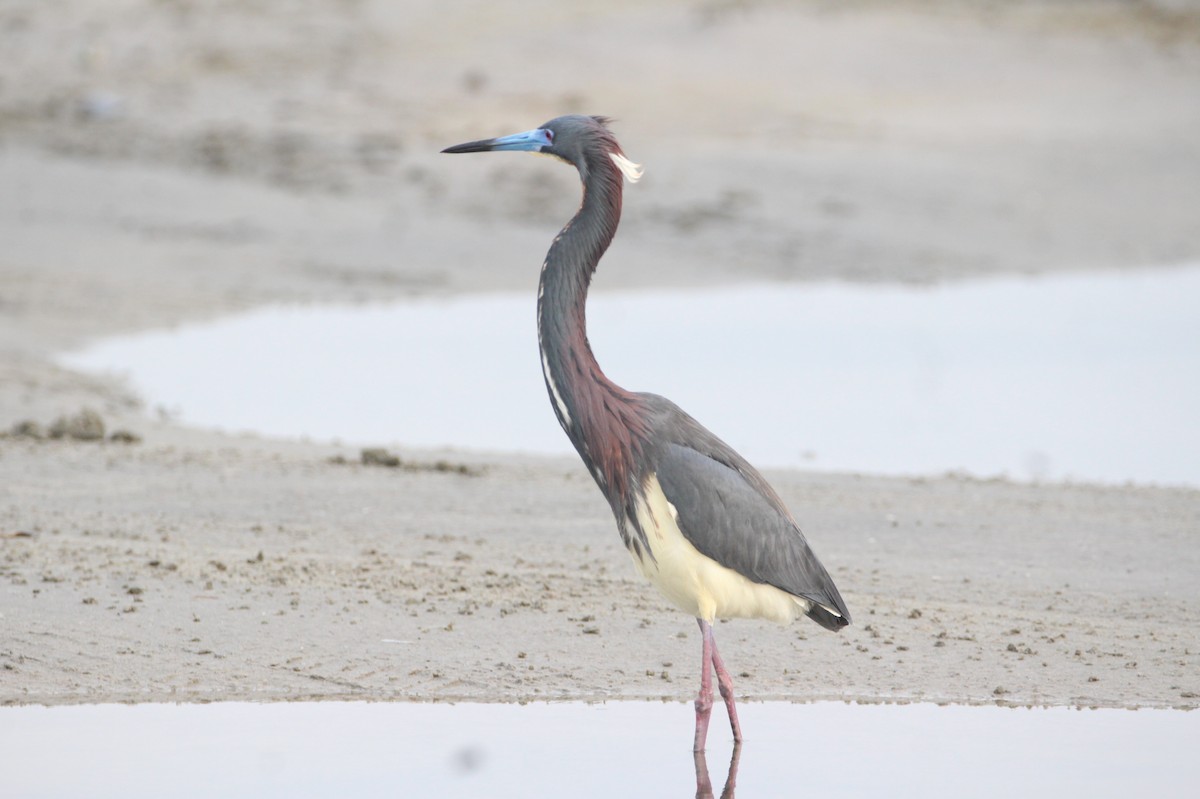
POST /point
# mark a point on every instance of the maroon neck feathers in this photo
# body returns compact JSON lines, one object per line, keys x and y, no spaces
{"x":603,"y":420}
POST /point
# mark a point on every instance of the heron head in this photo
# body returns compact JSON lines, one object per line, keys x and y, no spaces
{"x":576,"y":139}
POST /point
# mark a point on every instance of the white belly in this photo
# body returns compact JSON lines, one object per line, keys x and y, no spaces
{"x":696,"y":583}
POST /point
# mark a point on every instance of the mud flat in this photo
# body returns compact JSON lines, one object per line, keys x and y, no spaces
{"x":160,"y":165}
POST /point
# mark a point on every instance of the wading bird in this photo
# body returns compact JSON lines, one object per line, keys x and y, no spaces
{"x":700,"y":522}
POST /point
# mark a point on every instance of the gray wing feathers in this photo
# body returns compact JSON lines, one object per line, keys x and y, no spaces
{"x":728,"y":513}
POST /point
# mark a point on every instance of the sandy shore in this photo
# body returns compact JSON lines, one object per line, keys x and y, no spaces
{"x":162,"y":164}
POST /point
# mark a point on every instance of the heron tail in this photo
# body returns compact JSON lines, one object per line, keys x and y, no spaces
{"x":828,"y":620}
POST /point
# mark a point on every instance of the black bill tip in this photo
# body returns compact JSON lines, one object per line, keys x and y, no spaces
{"x":481,"y":146}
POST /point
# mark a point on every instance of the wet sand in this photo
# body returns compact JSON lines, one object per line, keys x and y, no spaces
{"x":160,"y":164}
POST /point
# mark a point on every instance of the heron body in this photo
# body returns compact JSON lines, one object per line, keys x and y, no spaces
{"x":698,"y":520}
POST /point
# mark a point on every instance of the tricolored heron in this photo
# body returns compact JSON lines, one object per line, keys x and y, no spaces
{"x":700,"y":522}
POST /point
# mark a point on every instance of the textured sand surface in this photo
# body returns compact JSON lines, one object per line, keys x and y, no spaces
{"x":169,"y":162}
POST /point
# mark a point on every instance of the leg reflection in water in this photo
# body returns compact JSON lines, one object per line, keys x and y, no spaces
{"x":704,"y":785}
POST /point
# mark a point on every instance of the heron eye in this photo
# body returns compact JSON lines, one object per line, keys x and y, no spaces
{"x":549,"y":135}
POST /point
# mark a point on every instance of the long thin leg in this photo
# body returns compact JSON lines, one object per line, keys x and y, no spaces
{"x":704,"y":701}
{"x":725,"y":683}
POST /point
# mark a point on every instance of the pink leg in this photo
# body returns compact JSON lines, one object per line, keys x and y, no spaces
{"x":704,"y":701}
{"x":725,"y":682}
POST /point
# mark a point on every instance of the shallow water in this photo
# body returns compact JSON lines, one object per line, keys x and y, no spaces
{"x":578,"y":750}
{"x":1092,"y":377}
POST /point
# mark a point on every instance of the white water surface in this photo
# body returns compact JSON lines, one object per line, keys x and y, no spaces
{"x":625,"y":749}
{"x":1090,"y":377}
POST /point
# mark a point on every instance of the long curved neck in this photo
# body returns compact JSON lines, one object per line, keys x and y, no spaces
{"x":567,"y":273}
{"x":599,"y":417}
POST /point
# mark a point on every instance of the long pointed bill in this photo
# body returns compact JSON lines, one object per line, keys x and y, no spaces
{"x":530,"y":140}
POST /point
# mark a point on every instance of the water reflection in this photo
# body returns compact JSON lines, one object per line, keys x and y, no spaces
{"x":704,"y":788}
{"x":582,"y":751}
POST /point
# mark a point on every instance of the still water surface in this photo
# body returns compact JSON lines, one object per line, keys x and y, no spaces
{"x":1090,"y":376}
{"x":620,"y":749}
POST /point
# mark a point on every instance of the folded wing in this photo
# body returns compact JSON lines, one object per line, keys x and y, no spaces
{"x":729,"y":513}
